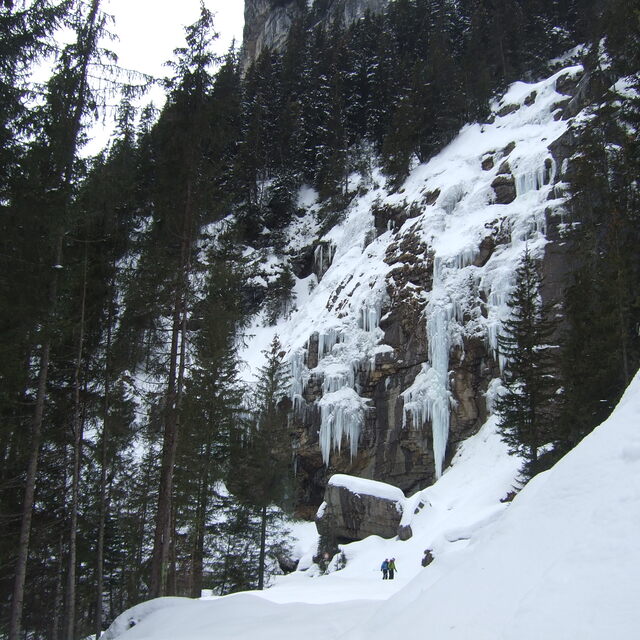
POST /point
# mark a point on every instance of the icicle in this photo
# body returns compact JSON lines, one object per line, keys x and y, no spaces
{"x":334,"y":380}
{"x":438,"y":396}
{"x":299,"y":378}
{"x":328,"y":340}
{"x":318,"y":259}
{"x":342,"y":415}
{"x":429,"y":398}
{"x":466,"y":257}
{"x":369,"y":319}
{"x":497,"y":303}
{"x":322,"y":262}
{"x":538,"y":173}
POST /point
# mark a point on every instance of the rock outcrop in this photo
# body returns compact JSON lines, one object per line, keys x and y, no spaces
{"x":396,"y":364}
{"x":266,"y":25}
{"x":354,"y":508}
{"x":267,"y":22}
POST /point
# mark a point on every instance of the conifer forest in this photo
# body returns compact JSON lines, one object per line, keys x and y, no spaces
{"x":137,"y":457}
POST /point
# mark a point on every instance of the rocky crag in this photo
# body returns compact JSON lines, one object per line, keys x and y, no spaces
{"x":267,"y":22}
{"x":393,"y":339}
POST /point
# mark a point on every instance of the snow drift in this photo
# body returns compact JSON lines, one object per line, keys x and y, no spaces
{"x":560,"y":562}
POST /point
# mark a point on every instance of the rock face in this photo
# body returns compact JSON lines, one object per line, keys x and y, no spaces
{"x":395,"y":362}
{"x":354,"y":509}
{"x":267,"y":22}
{"x":266,"y":25}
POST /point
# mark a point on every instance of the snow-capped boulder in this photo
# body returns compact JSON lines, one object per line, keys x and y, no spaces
{"x":355,"y":508}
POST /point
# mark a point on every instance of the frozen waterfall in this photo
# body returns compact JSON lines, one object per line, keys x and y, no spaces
{"x":342,"y":415}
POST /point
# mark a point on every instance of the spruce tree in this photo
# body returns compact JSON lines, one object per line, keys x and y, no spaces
{"x":601,"y":349}
{"x":527,"y":407}
{"x":50,"y":169}
{"x":261,"y":453}
{"x":212,"y":408}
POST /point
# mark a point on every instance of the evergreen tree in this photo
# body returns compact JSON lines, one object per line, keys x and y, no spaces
{"x":180,"y":199}
{"x":601,"y":343}
{"x":234,"y":549}
{"x":212,"y":407}
{"x":261,"y":454}
{"x":527,"y":407}
{"x":49,"y":172}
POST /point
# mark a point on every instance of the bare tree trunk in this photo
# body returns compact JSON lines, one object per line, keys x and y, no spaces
{"x":58,"y":600}
{"x":172,"y":574}
{"x":197,"y":551}
{"x":142,"y":522}
{"x":68,"y":147}
{"x":162,"y":537}
{"x":17,"y":600}
{"x":263,"y":546}
{"x":620,"y":297}
{"x":78,"y":428}
{"x":102,"y":499}
{"x":173,"y":399}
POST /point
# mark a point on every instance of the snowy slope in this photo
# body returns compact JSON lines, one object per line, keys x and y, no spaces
{"x":560,"y":562}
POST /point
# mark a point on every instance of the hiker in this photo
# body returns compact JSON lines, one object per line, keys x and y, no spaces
{"x":391,"y":566}
{"x":428,"y":558}
{"x":384,"y":567}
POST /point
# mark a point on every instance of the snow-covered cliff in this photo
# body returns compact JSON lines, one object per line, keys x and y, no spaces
{"x":561,"y":561}
{"x":393,"y":338}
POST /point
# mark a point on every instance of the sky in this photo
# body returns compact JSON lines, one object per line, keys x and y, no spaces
{"x":147,"y":33}
{"x":149,"y":30}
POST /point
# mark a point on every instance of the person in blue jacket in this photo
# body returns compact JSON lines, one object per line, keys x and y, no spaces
{"x":384,"y":567}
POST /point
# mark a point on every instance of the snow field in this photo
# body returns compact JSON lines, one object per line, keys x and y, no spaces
{"x":560,"y":562}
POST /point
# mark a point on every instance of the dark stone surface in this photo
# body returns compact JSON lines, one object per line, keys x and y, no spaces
{"x":507,"y":109}
{"x":267,"y":22}
{"x":487,"y":163}
{"x":350,"y":516}
{"x":504,"y":187}
{"x":302,"y":263}
{"x":405,"y":532}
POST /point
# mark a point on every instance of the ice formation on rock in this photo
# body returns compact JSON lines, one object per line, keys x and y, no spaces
{"x":475,"y":244}
{"x":342,"y":415}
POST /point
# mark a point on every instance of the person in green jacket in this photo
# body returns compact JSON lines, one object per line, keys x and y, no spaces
{"x":392,"y":568}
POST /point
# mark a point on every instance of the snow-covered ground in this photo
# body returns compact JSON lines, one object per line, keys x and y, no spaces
{"x":560,"y":562}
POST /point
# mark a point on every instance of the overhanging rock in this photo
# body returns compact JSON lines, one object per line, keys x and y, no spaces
{"x":355,"y":508}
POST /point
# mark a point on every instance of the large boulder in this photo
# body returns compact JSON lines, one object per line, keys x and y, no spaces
{"x":355,"y":508}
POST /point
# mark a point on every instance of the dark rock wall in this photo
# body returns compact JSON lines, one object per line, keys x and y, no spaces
{"x":267,"y":22}
{"x":392,"y":449}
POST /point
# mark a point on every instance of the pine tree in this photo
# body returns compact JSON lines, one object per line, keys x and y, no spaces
{"x":601,"y":347}
{"x":262,"y":453}
{"x":212,"y":406}
{"x":51,"y":166}
{"x":527,"y":407}
{"x":180,"y":200}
